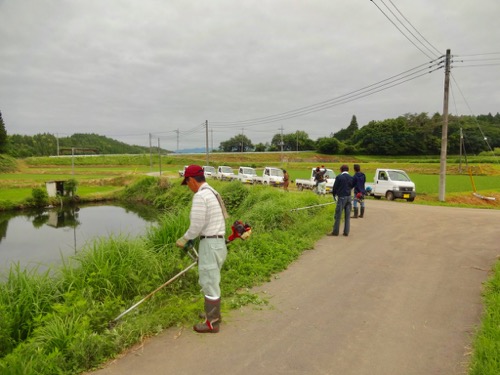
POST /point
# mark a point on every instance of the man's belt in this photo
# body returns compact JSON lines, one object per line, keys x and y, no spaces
{"x":216,"y":236}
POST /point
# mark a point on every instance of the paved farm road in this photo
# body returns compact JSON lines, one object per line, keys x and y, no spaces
{"x":400,"y":296}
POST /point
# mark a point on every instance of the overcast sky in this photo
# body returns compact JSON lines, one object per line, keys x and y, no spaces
{"x":128,"y":68}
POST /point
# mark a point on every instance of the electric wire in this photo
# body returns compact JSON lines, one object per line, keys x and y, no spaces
{"x":474,"y":65}
{"x":385,"y":84}
{"x":414,"y":28}
{"x":401,"y":31}
{"x":411,"y":33}
{"x":479,"y":54}
{"x":474,"y":117}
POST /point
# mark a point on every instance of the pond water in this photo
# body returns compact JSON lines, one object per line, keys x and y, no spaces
{"x":42,"y":238}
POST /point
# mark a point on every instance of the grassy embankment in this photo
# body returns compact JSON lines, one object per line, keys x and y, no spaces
{"x":58,"y":323}
{"x":94,"y":298}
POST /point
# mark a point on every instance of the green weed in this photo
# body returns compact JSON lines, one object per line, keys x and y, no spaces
{"x":486,"y":356}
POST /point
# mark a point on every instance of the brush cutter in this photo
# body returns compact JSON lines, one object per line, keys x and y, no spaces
{"x":239,"y":230}
{"x":192,"y":253}
{"x":314,"y":206}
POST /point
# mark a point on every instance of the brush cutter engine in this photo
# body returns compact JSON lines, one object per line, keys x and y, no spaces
{"x":239,"y":229}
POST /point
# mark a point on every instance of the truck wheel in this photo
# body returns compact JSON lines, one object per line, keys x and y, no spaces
{"x":389,"y":195}
{"x":300,"y":187}
{"x":410,"y":199}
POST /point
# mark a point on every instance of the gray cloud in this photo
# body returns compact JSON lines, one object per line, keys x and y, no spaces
{"x":129,"y":68}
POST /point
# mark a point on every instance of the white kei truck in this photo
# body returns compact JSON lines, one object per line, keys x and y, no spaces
{"x":302,"y":184}
{"x":270,"y":176}
{"x":225,"y":173}
{"x":392,"y":184}
{"x":181,"y":173}
{"x":246,"y":175}
{"x":209,"y":171}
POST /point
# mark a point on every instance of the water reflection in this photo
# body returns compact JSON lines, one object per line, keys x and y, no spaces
{"x":43,"y":236}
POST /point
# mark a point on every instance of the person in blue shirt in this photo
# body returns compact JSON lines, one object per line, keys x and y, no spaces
{"x":359,"y":180}
{"x":341,"y":192}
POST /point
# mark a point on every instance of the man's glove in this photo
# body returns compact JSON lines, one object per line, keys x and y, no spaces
{"x":183,"y":243}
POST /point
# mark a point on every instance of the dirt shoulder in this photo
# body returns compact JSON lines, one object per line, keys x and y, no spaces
{"x":400,"y":295}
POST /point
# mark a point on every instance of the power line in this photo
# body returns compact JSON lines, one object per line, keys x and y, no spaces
{"x":472,"y":114}
{"x":401,"y":31}
{"x":479,"y":54}
{"x":414,"y":28}
{"x":385,"y":84}
{"x":474,"y":65}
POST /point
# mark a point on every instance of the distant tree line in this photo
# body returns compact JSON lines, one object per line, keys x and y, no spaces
{"x":3,"y":136}
{"x":46,"y":144}
{"x":410,"y":134}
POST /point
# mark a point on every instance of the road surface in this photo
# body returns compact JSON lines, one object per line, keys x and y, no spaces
{"x":400,"y":296}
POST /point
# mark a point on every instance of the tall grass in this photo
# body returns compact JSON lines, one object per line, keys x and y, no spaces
{"x":24,"y":298}
{"x":486,"y":356}
{"x":58,"y":323}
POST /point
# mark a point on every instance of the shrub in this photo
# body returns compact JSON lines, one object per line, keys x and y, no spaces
{"x":40,"y":197}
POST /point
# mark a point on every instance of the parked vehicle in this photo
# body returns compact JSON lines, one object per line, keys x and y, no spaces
{"x":270,"y":176}
{"x":302,"y":184}
{"x":392,"y":184}
{"x":225,"y":173}
{"x":209,"y":171}
{"x":246,"y":175}
{"x":181,"y":173}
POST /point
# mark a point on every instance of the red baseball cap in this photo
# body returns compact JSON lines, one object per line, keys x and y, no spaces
{"x":191,"y":171}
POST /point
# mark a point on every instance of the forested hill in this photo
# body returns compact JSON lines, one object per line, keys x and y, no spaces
{"x":45,"y":144}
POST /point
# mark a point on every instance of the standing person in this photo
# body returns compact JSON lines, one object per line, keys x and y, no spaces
{"x":358,"y":181}
{"x":206,"y":221}
{"x":319,"y":177}
{"x":342,"y":190}
{"x":286,"y":180}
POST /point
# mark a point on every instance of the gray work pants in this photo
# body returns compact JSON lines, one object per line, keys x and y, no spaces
{"x":343,"y":205}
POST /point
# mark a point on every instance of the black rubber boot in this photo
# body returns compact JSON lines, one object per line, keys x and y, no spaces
{"x":213,"y":317}
{"x":356,"y":211}
{"x":362,"y":212}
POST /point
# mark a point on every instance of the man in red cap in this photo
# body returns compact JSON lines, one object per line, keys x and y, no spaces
{"x":207,"y":220}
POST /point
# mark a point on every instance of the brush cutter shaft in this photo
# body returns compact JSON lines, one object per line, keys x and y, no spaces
{"x":156,"y":290}
{"x":316,"y":205}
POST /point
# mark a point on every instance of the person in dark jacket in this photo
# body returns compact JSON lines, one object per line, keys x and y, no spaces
{"x":342,"y":194}
{"x":359,"y":180}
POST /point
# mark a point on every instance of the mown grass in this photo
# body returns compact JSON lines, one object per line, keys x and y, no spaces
{"x":59,"y":323}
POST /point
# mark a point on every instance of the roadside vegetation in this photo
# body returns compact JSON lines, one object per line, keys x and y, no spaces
{"x":57,"y":322}
{"x":486,"y":346}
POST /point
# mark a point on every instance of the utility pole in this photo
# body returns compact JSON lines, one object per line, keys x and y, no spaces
{"x":206,"y":140}
{"x":150,"y":154}
{"x":57,"y":140}
{"x":461,"y":146}
{"x":242,"y":135}
{"x":72,"y":161}
{"x":159,"y":154}
{"x":281,"y":143}
{"x":444,"y":131}
{"x":177,"y":131}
